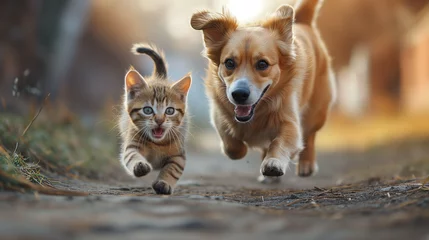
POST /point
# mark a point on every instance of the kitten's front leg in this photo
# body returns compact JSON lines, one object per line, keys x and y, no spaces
{"x":134,"y":162}
{"x":169,"y":175}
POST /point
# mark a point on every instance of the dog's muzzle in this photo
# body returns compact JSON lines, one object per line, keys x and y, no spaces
{"x":244,"y":113}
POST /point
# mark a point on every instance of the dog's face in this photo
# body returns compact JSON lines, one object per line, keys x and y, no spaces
{"x":249,"y":59}
{"x":249,"y":65}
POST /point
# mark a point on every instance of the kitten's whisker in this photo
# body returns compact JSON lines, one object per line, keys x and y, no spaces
{"x":182,"y":135}
{"x":117,"y":124}
{"x":176,"y":139}
{"x":169,"y":136}
{"x":187,"y":131}
{"x":143,"y":133}
{"x":138,"y":132}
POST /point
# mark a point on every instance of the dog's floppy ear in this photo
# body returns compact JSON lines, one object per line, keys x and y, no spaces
{"x":282,"y":23}
{"x":216,"y":27}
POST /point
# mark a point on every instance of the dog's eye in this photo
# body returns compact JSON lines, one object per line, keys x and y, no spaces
{"x":229,"y":64}
{"x":169,"y":111}
{"x":262,"y":65}
{"x":147,"y":110}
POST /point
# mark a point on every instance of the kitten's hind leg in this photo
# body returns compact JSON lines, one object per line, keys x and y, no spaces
{"x":169,"y":175}
{"x":134,"y":162}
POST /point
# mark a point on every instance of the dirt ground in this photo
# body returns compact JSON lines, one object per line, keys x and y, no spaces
{"x":376,"y":194}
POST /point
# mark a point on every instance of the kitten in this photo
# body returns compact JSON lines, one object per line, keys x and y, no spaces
{"x":153,"y":123}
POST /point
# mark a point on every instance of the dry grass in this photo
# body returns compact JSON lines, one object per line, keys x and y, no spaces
{"x":48,"y":147}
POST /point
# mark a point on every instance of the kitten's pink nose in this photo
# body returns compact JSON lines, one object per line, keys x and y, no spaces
{"x":159,"y":121}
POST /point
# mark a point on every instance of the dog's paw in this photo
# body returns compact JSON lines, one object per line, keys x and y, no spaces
{"x":306,"y":169}
{"x":273,"y":167}
{"x":268,"y":180}
{"x":142,"y":169}
{"x":162,"y":187}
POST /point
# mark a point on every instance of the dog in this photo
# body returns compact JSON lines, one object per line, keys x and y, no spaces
{"x":270,"y":85}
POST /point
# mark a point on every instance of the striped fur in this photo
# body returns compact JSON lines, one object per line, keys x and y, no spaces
{"x":156,"y":55}
{"x":142,"y":149}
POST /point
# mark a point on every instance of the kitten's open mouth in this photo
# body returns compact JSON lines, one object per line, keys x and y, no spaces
{"x":244,"y":113}
{"x":157,"y":132}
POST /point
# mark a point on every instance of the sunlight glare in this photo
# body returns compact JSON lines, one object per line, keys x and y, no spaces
{"x":245,"y":10}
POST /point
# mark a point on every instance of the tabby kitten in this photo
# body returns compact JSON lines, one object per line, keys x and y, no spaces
{"x":153,"y":123}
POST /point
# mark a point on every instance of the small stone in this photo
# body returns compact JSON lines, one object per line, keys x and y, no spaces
{"x":293,"y":196}
{"x":399,"y":188}
{"x":217,"y":197}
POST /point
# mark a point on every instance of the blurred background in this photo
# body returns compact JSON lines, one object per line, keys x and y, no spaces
{"x":66,"y":59}
{"x":78,"y":51}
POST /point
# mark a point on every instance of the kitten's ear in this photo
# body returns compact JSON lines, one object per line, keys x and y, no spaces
{"x":133,"y":80}
{"x":183,"y":85}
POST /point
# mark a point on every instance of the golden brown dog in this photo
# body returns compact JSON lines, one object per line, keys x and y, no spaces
{"x":270,"y":84}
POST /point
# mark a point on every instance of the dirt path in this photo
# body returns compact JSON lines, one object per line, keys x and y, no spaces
{"x":353,"y":197}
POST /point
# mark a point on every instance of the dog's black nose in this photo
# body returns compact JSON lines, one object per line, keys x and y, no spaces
{"x":240,"y":95}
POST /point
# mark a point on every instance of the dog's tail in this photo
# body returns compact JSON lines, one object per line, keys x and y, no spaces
{"x":156,"y":55}
{"x":306,"y":11}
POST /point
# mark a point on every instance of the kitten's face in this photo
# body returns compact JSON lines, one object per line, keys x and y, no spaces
{"x":156,"y":109}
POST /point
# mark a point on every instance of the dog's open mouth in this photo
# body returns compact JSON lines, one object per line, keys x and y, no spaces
{"x":244,"y":113}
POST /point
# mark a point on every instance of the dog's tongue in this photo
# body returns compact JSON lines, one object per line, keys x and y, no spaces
{"x":243,"y":111}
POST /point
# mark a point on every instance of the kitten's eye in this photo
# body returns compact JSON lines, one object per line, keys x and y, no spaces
{"x":169,"y":111}
{"x":262,"y":65}
{"x":229,"y":64}
{"x":147,"y":110}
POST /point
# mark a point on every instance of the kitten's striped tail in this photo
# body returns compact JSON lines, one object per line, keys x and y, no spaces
{"x":156,"y":55}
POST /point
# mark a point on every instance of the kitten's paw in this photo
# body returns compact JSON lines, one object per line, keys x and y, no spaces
{"x":306,"y":169}
{"x":142,"y":169}
{"x":269,"y":180}
{"x":162,"y":187}
{"x":273,"y":167}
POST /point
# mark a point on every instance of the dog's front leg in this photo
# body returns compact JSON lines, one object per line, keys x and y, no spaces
{"x":286,"y":145}
{"x":232,"y":147}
